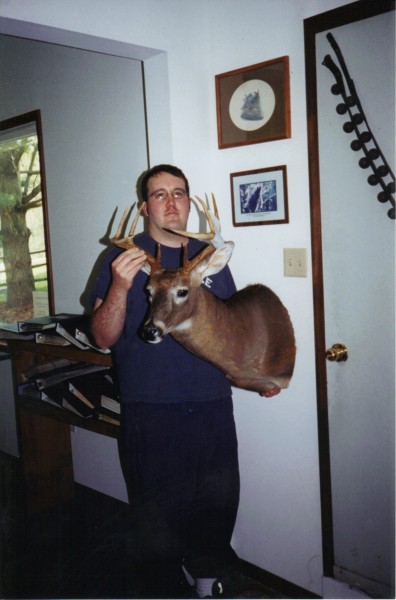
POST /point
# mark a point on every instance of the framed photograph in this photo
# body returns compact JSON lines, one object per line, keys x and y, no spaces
{"x":253,"y":104}
{"x":259,"y":197}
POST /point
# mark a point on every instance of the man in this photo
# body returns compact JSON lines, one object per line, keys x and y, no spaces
{"x":178,"y":432}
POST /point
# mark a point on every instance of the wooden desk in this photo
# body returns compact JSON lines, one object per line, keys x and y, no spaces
{"x":44,"y":430}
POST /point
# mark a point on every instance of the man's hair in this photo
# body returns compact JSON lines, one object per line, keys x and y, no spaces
{"x":172,"y":170}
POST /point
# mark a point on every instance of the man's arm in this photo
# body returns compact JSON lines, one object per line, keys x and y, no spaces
{"x":109,"y":314}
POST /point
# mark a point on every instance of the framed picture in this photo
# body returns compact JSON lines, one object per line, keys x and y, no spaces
{"x":253,"y":104}
{"x":259,"y":197}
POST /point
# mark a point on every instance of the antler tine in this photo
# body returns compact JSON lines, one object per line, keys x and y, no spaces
{"x":134,"y":222}
{"x":215,"y":210}
{"x":127,"y":242}
{"x":188,"y":265}
{"x":205,"y":236}
{"x":215,"y":235}
{"x":200,"y":236}
{"x":120,"y":226}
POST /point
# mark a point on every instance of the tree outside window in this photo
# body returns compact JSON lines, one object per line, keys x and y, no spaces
{"x":23,"y":255}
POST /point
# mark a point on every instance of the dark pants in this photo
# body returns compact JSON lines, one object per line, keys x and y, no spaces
{"x":181,"y":466}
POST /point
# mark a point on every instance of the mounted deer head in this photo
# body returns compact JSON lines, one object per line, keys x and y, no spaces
{"x":249,"y":336}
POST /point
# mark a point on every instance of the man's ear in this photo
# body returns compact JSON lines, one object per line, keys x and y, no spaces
{"x":215,"y":262}
{"x":145,"y":209}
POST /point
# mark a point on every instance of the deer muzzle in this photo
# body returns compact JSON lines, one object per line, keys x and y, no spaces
{"x":151,"y":333}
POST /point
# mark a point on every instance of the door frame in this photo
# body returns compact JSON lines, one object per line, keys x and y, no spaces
{"x":344,"y":15}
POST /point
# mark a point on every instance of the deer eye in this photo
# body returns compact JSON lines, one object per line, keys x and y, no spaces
{"x":182,"y":293}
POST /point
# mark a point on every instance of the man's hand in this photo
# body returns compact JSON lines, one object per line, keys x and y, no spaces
{"x":109,"y":315}
{"x":126,"y":266}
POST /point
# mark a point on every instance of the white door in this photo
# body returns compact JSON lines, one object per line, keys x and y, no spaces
{"x":358,"y":260}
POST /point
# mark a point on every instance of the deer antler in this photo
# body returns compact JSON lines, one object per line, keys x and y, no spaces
{"x":127,"y":242}
{"x":155,"y":263}
{"x":214,"y":236}
{"x":214,"y":224}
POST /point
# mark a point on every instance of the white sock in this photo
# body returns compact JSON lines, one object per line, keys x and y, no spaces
{"x":188,"y":576}
{"x":204,"y":586}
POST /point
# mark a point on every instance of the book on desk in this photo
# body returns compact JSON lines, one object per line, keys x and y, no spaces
{"x":61,"y":330}
{"x":74,"y":386}
{"x":40,"y":323}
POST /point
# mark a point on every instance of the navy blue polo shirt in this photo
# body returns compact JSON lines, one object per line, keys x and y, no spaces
{"x":163,"y":372}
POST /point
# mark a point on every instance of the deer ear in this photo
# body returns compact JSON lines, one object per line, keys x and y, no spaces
{"x":216,"y":261}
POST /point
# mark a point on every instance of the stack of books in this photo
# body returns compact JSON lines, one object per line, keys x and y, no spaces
{"x":64,"y":329}
{"x":85,"y":389}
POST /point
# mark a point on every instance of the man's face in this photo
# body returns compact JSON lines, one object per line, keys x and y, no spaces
{"x":168,"y":205}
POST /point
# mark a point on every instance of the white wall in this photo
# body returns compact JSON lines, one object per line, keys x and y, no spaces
{"x":278,"y":524}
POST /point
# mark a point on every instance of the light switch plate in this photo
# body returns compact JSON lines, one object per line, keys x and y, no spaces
{"x":295,"y":262}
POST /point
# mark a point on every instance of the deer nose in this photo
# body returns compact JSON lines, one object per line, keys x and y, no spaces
{"x":152,"y":334}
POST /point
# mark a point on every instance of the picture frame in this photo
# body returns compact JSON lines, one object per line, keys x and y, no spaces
{"x":259,"y":197}
{"x":253,"y":104}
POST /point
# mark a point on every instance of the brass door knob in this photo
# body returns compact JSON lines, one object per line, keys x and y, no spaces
{"x":337,"y":353}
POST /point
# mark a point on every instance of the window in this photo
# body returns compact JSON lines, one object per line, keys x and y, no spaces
{"x":25,"y":266}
